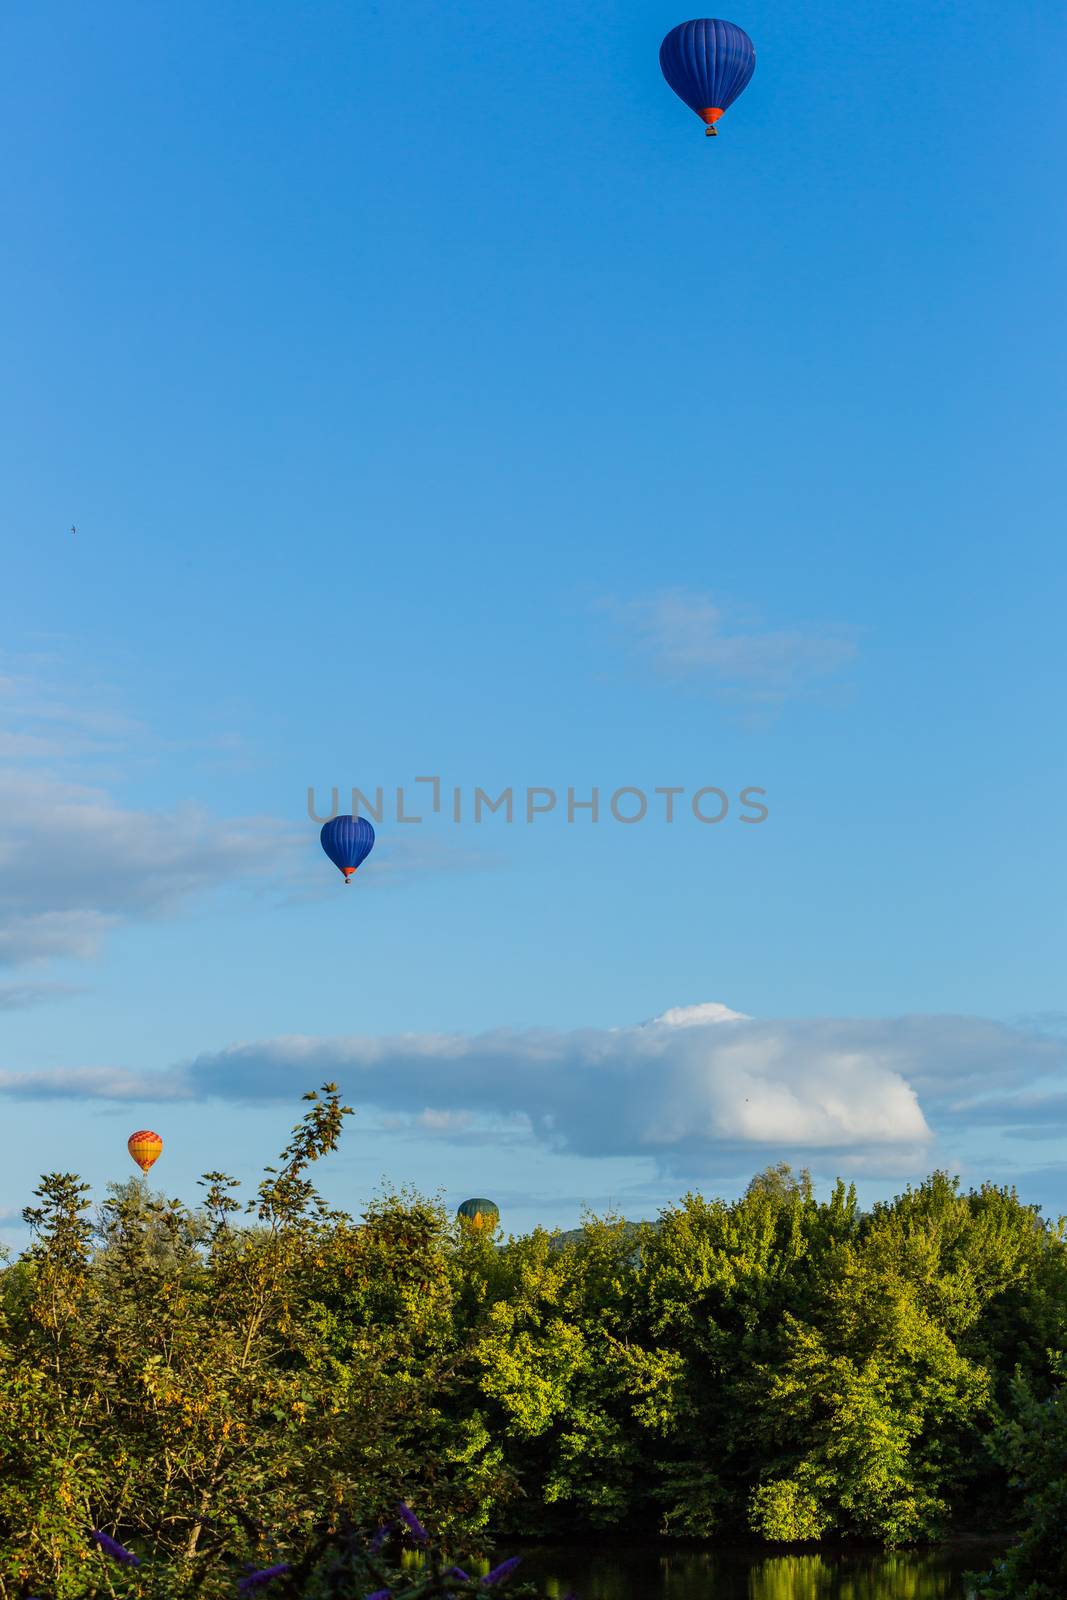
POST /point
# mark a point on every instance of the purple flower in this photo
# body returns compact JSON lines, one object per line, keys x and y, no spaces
{"x":116,"y":1551}
{"x":380,"y":1594}
{"x":380,"y":1537}
{"x":458,"y":1572}
{"x":255,"y":1579}
{"x":498,"y":1574}
{"x":415,"y":1527}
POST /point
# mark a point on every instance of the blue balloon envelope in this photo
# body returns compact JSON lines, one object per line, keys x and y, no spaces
{"x":348,"y":841}
{"x":707,"y":63}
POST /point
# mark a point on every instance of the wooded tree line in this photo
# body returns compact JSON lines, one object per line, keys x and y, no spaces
{"x":212,"y":1382}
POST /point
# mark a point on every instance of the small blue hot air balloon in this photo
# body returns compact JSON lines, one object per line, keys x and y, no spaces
{"x":707,"y":63}
{"x":347,"y":841}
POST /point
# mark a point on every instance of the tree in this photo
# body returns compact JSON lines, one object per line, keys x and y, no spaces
{"x":1033,"y":1449}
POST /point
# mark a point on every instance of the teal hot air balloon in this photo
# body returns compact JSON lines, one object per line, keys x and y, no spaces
{"x":479,"y":1214}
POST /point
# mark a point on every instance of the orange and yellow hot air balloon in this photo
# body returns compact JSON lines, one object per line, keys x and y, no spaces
{"x":145,"y":1147}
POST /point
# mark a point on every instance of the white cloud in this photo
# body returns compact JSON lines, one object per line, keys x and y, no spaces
{"x":48,"y":713}
{"x":17,"y":996}
{"x":696,"y":1016}
{"x":74,"y":863}
{"x":699,"y":1089}
{"x":691,"y":636}
{"x":92,"y":1083}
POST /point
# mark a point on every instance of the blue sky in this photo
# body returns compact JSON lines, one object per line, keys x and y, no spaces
{"x":431,"y":397}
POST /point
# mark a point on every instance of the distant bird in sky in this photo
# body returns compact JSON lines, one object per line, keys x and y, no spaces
{"x":73,"y":529}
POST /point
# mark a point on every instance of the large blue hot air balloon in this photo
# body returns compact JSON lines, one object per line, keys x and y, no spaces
{"x":707,"y":63}
{"x":347,"y":841}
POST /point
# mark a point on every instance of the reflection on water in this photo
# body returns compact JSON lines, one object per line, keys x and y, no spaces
{"x":620,"y":1573}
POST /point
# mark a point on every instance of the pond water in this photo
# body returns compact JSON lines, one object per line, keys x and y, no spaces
{"x":615,"y":1572}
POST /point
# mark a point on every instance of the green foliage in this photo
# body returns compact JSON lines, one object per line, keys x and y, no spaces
{"x":1032,"y":1445}
{"x":338,"y":1562}
{"x":220,"y":1391}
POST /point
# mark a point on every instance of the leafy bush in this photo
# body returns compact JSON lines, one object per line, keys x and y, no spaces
{"x":338,"y":1564}
{"x":1033,"y":1447}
